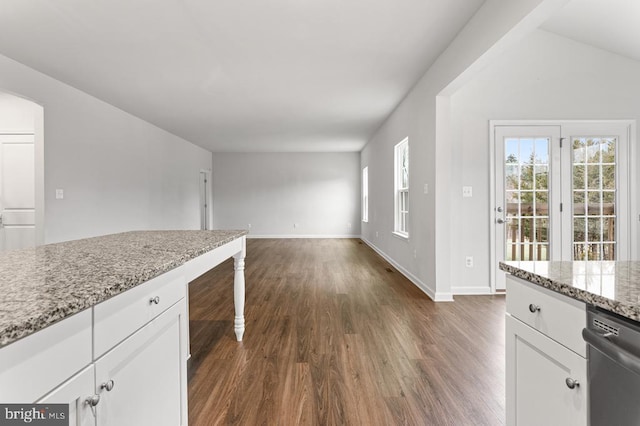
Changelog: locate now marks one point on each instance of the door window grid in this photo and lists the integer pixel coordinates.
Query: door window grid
(594, 197)
(527, 198)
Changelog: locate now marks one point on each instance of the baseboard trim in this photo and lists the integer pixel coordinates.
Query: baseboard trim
(471, 291)
(433, 295)
(281, 236)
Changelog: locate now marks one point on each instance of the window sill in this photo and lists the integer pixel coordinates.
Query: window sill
(401, 235)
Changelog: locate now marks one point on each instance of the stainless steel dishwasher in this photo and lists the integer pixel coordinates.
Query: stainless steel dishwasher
(613, 355)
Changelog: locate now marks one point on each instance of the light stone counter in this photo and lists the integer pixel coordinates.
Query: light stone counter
(614, 286)
(43, 285)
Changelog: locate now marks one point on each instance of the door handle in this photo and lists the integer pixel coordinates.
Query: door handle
(500, 220)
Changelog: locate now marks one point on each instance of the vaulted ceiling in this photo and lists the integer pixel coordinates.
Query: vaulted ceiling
(238, 75)
(277, 75)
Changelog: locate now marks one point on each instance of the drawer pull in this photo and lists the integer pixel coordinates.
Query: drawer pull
(155, 300)
(93, 400)
(571, 383)
(534, 308)
(108, 386)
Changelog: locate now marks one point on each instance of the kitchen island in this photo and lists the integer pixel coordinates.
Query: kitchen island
(106, 318)
(547, 359)
(614, 286)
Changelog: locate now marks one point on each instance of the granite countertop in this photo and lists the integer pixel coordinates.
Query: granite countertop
(614, 286)
(42, 285)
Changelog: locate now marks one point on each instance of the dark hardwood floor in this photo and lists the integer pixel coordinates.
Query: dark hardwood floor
(336, 336)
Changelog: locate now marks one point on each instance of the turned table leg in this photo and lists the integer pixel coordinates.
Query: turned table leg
(238, 291)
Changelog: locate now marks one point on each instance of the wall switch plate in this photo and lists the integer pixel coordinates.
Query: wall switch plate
(467, 191)
(426, 188)
(59, 194)
(469, 261)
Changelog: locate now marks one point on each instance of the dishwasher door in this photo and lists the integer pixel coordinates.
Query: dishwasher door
(613, 369)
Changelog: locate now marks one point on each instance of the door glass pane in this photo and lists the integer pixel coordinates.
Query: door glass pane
(526, 166)
(594, 197)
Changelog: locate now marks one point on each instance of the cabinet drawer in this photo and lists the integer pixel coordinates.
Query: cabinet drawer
(32, 366)
(119, 317)
(559, 317)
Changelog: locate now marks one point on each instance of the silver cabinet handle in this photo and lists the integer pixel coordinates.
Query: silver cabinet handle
(534, 308)
(571, 383)
(155, 300)
(108, 386)
(92, 400)
(500, 220)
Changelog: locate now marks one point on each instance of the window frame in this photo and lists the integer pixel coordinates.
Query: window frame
(401, 191)
(365, 194)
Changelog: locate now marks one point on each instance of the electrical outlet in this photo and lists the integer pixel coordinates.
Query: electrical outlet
(348, 226)
(415, 254)
(469, 261)
(295, 225)
(376, 234)
(249, 226)
(426, 188)
(59, 194)
(467, 191)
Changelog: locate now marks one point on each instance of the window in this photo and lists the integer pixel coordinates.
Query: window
(401, 162)
(365, 194)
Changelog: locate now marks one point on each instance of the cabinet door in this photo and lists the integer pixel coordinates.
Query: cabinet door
(74, 392)
(147, 372)
(537, 370)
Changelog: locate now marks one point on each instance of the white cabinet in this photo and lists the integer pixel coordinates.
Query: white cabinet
(75, 392)
(546, 370)
(140, 347)
(143, 379)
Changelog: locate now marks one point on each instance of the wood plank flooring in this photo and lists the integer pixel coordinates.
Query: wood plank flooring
(336, 336)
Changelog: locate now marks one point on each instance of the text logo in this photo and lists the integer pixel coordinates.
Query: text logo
(34, 414)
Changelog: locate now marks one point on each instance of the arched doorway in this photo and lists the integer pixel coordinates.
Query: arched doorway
(21, 173)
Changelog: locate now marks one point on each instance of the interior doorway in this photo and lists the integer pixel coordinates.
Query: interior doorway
(21, 173)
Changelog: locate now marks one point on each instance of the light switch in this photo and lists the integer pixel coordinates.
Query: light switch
(59, 194)
(426, 188)
(467, 191)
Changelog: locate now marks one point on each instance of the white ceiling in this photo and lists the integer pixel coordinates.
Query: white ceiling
(239, 75)
(612, 25)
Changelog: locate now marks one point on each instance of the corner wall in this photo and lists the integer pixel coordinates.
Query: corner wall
(424, 116)
(118, 172)
(544, 77)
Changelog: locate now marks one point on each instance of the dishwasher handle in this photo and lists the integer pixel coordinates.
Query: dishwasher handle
(620, 355)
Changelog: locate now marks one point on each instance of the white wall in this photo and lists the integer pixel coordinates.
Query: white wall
(544, 77)
(273, 191)
(118, 172)
(424, 117)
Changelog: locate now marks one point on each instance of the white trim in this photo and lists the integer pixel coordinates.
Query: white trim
(286, 236)
(470, 291)
(402, 236)
(634, 162)
(17, 132)
(433, 295)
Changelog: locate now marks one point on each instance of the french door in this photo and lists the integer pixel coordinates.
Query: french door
(561, 192)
